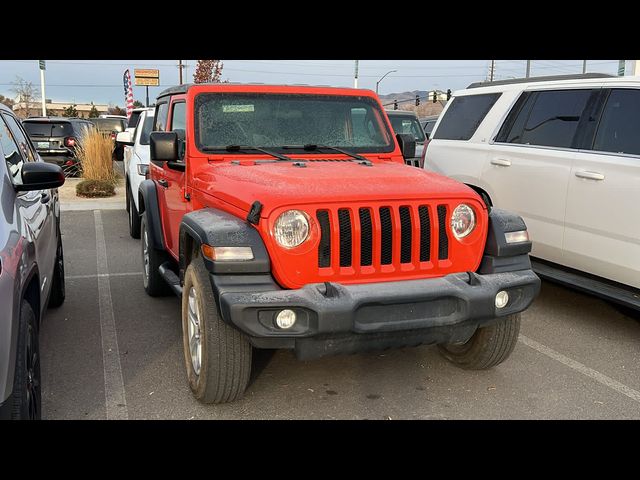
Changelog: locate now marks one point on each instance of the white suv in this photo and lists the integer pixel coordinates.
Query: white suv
(565, 155)
(136, 163)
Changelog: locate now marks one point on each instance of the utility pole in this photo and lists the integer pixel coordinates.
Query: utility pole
(584, 66)
(44, 98)
(355, 79)
(492, 70)
(528, 74)
(180, 67)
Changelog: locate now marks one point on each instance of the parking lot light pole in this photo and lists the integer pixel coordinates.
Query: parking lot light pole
(44, 98)
(378, 82)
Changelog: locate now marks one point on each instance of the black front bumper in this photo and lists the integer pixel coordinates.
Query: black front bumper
(334, 318)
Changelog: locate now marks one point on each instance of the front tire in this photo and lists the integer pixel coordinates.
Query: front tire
(57, 295)
(153, 282)
(488, 347)
(27, 398)
(217, 356)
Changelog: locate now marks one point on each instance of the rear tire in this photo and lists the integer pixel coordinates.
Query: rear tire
(488, 347)
(217, 356)
(134, 216)
(57, 295)
(152, 258)
(27, 398)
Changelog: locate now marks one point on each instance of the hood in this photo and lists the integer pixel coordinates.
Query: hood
(278, 184)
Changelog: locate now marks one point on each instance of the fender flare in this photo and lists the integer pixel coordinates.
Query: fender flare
(148, 206)
(218, 228)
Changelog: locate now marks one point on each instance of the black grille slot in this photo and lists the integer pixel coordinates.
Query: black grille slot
(405, 235)
(345, 237)
(324, 249)
(386, 238)
(366, 238)
(443, 239)
(425, 233)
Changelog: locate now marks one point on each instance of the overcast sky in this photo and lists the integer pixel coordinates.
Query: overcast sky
(100, 81)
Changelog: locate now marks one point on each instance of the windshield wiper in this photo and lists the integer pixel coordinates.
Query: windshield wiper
(237, 148)
(312, 146)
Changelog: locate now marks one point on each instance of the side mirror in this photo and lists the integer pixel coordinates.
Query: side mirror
(163, 146)
(124, 138)
(40, 176)
(407, 144)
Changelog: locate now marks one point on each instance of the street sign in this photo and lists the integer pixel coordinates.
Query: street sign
(42, 65)
(148, 77)
(148, 81)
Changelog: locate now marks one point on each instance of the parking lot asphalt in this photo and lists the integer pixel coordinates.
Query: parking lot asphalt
(111, 351)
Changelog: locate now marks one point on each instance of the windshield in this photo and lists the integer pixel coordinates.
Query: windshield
(109, 124)
(407, 124)
(276, 120)
(147, 126)
(48, 129)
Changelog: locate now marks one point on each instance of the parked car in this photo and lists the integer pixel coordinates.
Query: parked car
(31, 265)
(407, 122)
(111, 126)
(428, 123)
(56, 139)
(136, 164)
(284, 217)
(564, 154)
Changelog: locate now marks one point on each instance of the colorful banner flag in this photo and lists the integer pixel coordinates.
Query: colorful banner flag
(128, 92)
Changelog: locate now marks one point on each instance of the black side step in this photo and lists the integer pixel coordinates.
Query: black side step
(617, 293)
(171, 278)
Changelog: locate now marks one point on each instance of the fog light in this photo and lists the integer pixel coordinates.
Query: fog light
(502, 298)
(286, 319)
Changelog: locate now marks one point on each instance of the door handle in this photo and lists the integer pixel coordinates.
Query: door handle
(45, 197)
(501, 162)
(590, 175)
(163, 183)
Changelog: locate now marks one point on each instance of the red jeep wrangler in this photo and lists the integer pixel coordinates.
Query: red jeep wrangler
(285, 217)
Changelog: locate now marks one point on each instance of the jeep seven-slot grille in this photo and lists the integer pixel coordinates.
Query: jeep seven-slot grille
(383, 229)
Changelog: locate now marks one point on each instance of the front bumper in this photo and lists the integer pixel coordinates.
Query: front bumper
(335, 318)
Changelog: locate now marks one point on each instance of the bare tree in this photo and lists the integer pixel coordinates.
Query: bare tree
(24, 92)
(208, 71)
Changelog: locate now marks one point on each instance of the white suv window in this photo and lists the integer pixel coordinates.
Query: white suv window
(464, 116)
(619, 128)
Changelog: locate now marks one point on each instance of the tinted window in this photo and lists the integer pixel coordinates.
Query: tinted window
(428, 127)
(549, 118)
(161, 117)
(409, 125)
(133, 119)
(9, 149)
(619, 128)
(464, 115)
(179, 116)
(147, 127)
(48, 129)
(20, 138)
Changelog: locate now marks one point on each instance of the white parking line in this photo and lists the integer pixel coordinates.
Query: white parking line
(115, 400)
(79, 277)
(583, 369)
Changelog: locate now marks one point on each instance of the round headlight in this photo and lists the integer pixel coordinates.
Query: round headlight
(291, 228)
(463, 221)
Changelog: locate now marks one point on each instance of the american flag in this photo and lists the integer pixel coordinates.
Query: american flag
(128, 92)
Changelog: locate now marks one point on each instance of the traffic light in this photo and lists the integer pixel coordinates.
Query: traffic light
(395, 104)
(417, 100)
(448, 94)
(435, 97)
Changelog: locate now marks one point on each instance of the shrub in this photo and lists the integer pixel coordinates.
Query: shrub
(95, 188)
(94, 151)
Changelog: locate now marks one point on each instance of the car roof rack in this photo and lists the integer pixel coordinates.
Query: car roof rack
(549, 78)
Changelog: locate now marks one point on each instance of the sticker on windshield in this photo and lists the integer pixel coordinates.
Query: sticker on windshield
(237, 108)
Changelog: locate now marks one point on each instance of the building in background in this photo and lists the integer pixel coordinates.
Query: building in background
(55, 109)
